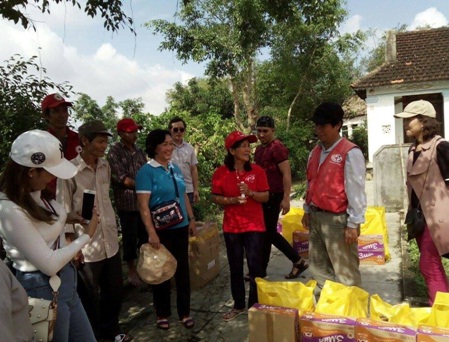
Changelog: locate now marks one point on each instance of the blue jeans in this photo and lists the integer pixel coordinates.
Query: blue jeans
(72, 323)
(251, 244)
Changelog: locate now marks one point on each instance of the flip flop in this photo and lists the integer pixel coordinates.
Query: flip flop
(187, 322)
(297, 270)
(233, 314)
(162, 323)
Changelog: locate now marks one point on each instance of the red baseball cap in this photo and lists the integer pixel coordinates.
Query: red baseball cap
(235, 136)
(54, 100)
(127, 125)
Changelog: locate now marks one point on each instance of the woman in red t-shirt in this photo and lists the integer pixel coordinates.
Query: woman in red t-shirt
(240, 187)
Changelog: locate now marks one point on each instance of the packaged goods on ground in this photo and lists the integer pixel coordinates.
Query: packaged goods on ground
(316, 327)
(204, 255)
(368, 330)
(301, 243)
(427, 333)
(371, 249)
(269, 323)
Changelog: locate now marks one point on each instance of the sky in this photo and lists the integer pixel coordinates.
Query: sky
(76, 48)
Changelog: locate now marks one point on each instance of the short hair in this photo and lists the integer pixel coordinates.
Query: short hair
(177, 119)
(90, 137)
(155, 138)
(431, 127)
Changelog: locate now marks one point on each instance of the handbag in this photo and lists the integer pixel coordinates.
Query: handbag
(415, 221)
(43, 313)
(155, 265)
(169, 213)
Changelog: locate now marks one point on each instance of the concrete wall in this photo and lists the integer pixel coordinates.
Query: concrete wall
(390, 176)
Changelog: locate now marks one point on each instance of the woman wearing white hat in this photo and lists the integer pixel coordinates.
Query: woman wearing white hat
(32, 229)
(428, 190)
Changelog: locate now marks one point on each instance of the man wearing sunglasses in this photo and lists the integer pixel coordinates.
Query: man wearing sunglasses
(185, 157)
(272, 156)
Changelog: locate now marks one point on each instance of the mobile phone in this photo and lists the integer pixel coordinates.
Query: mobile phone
(88, 204)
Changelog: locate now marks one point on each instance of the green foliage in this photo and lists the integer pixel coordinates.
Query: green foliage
(111, 11)
(21, 93)
(201, 96)
(360, 138)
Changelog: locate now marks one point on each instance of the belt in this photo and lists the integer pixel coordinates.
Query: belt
(317, 209)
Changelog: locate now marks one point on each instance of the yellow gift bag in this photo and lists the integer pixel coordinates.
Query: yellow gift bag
(342, 300)
(401, 313)
(291, 222)
(439, 315)
(376, 224)
(291, 294)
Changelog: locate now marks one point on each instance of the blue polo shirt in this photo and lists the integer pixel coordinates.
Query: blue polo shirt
(154, 179)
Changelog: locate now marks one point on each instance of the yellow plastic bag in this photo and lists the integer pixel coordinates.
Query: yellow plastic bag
(401, 313)
(342, 300)
(293, 294)
(439, 315)
(291, 222)
(375, 223)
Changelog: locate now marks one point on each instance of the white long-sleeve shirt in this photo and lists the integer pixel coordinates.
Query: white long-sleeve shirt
(30, 244)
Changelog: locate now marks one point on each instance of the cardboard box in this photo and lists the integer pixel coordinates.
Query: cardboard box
(368, 330)
(301, 243)
(372, 258)
(316, 327)
(204, 255)
(269, 323)
(371, 243)
(427, 333)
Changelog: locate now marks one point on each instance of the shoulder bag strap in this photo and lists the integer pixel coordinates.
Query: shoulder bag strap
(174, 182)
(427, 171)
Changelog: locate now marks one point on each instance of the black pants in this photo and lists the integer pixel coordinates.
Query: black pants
(134, 233)
(238, 244)
(101, 292)
(271, 210)
(177, 242)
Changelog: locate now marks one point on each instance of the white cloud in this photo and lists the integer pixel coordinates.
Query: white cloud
(352, 24)
(103, 73)
(430, 17)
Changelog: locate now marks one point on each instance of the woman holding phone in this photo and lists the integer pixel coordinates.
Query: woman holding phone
(32, 229)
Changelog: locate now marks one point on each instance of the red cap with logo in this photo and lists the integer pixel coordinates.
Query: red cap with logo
(54, 100)
(127, 125)
(235, 136)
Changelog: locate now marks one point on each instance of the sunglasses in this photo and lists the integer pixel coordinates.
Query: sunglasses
(176, 130)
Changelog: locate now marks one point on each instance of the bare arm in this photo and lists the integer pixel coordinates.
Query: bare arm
(285, 169)
(194, 173)
(143, 200)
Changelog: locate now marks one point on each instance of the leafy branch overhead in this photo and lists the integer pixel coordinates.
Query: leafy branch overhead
(111, 11)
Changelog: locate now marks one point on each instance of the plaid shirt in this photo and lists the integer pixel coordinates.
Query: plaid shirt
(125, 163)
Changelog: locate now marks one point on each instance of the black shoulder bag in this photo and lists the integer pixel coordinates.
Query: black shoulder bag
(167, 214)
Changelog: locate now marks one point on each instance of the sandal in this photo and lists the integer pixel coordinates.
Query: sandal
(162, 323)
(233, 314)
(297, 269)
(188, 322)
(123, 338)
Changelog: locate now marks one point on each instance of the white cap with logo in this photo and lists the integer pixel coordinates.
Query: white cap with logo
(420, 107)
(41, 149)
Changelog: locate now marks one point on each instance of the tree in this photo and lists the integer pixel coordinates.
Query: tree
(111, 11)
(20, 96)
(86, 109)
(202, 96)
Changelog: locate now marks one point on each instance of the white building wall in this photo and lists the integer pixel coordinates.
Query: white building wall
(381, 122)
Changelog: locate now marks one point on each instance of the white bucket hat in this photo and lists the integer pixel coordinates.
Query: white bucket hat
(40, 149)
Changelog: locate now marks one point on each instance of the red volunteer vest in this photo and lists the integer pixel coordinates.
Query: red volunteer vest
(327, 182)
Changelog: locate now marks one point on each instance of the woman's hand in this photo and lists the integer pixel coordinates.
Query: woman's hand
(192, 228)
(93, 223)
(153, 240)
(244, 189)
(75, 217)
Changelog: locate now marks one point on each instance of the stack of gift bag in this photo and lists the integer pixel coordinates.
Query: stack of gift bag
(287, 312)
(373, 239)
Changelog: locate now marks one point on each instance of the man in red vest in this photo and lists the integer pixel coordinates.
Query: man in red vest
(335, 201)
